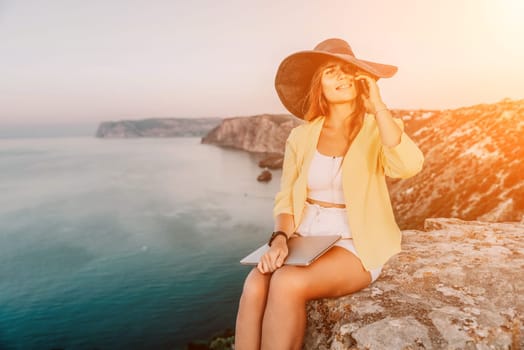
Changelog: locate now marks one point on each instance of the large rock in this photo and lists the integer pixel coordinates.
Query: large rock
(272, 161)
(458, 286)
(266, 133)
(265, 176)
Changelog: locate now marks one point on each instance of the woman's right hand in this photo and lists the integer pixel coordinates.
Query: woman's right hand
(274, 257)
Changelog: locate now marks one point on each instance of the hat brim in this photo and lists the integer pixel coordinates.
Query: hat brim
(294, 75)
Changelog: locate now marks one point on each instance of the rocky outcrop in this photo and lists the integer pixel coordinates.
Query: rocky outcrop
(266, 133)
(264, 176)
(473, 168)
(473, 160)
(157, 127)
(272, 161)
(457, 285)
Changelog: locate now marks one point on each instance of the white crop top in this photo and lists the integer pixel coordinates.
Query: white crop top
(324, 182)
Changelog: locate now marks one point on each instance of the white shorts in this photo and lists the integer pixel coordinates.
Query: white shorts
(318, 221)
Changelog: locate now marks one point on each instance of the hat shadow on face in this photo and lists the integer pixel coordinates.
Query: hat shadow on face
(316, 66)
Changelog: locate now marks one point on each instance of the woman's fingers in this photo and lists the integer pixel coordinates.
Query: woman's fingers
(262, 264)
(371, 83)
(273, 254)
(281, 257)
(373, 99)
(279, 261)
(265, 263)
(272, 260)
(364, 76)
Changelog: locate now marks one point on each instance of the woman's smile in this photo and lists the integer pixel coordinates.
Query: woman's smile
(344, 86)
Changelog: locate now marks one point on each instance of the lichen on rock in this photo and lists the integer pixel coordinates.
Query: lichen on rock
(457, 285)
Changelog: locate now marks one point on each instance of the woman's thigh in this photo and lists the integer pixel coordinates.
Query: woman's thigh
(336, 273)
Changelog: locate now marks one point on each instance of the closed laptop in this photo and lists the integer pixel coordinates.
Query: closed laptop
(302, 251)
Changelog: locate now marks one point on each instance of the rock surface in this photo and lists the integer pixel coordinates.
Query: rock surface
(157, 127)
(458, 285)
(272, 161)
(473, 168)
(265, 133)
(264, 176)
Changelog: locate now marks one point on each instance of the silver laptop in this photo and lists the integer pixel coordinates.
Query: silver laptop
(302, 250)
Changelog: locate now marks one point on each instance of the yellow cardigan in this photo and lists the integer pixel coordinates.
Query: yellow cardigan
(376, 235)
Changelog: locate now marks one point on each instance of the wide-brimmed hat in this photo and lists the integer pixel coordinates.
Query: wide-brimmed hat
(295, 72)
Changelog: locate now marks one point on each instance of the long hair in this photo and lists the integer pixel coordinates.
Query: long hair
(318, 105)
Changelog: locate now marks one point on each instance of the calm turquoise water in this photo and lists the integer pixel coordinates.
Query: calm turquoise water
(124, 244)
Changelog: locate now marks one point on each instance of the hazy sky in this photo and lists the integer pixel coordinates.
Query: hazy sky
(87, 61)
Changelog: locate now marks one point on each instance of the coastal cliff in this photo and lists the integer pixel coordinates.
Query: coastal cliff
(157, 127)
(473, 165)
(265, 133)
(457, 285)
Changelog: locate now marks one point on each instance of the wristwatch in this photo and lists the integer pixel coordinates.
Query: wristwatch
(275, 234)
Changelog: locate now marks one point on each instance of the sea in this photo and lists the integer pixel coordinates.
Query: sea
(124, 243)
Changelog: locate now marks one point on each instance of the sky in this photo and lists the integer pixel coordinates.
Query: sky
(72, 61)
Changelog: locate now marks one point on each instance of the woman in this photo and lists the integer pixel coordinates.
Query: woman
(333, 182)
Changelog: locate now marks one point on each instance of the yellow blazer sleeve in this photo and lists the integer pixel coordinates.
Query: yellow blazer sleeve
(283, 198)
(403, 160)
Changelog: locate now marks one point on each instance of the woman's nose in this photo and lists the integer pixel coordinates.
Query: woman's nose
(341, 74)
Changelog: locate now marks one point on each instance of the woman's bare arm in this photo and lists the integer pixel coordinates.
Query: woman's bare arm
(285, 222)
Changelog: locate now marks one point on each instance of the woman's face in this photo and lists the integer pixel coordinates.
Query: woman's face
(338, 83)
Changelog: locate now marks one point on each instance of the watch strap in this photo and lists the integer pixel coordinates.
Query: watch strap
(275, 234)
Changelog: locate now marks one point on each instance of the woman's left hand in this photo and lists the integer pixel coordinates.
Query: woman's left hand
(373, 102)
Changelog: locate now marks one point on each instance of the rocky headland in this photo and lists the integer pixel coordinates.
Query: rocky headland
(265, 133)
(473, 159)
(157, 127)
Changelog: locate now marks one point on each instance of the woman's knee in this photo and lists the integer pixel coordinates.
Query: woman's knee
(255, 286)
(288, 281)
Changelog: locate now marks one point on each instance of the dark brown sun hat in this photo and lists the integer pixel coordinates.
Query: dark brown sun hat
(295, 71)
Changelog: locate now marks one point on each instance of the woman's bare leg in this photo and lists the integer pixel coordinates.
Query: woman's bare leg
(251, 310)
(336, 273)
